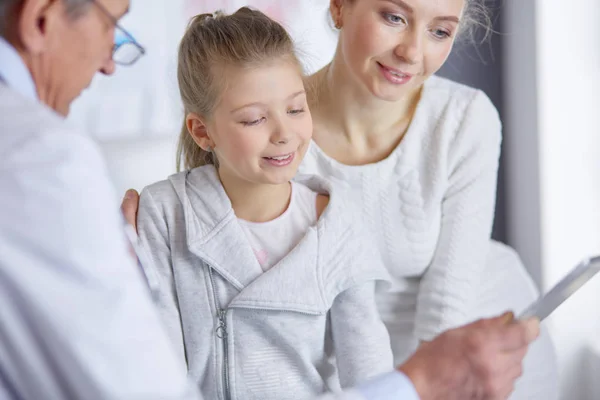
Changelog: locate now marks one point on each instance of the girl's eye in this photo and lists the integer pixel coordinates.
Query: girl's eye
(296, 111)
(253, 122)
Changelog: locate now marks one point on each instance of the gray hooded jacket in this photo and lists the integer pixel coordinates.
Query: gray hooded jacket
(249, 334)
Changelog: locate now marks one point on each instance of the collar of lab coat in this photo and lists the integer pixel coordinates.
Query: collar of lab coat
(14, 72)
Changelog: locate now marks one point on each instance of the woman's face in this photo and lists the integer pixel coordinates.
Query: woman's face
(391, 47)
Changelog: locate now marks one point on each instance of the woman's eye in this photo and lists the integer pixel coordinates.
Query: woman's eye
(296, 111)
(394, 19)
(441, 34)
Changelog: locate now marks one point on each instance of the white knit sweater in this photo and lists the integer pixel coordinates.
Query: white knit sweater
(430, 204)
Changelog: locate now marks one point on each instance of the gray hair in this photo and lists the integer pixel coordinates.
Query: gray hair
(75, 9)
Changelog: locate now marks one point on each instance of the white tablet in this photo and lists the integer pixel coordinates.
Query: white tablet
(571, 283)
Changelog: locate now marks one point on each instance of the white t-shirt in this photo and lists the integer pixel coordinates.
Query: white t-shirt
(273, 240)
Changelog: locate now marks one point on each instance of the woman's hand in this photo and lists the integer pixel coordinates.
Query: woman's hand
(129, 207)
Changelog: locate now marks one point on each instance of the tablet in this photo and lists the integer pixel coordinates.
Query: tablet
(571, 283)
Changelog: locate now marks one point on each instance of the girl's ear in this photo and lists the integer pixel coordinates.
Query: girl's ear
(197, 128)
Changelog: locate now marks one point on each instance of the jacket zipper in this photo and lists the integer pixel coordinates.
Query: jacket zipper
(221, 333)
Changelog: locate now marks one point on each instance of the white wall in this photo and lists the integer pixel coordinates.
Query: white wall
(140, 100)
(569, 104)
(553, 91)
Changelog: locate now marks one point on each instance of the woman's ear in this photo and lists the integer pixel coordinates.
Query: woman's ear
(197, 128)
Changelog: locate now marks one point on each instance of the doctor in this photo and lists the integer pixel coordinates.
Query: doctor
(76, 319)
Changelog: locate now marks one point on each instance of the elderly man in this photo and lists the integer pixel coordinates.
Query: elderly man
(76, 319)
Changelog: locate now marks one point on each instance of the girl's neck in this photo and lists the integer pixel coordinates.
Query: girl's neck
(256, 202)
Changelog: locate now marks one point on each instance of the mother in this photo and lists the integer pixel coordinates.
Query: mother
(421, 154)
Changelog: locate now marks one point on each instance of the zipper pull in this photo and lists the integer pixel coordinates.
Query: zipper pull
(222, 327)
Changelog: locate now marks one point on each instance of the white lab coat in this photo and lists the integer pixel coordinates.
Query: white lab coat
(76, 321)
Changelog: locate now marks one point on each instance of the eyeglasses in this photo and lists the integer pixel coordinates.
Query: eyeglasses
(126, 50)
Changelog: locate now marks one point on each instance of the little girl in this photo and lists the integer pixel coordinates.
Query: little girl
(261, 280)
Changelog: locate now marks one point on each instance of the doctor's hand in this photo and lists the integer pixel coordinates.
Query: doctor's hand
(129, 207)
(479, 361)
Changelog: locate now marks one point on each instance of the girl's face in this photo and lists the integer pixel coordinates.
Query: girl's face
(261, 127)
(390, 47)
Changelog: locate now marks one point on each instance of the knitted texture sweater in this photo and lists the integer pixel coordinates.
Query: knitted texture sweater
(430, 205)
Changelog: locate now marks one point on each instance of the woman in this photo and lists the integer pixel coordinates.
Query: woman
(421, 155)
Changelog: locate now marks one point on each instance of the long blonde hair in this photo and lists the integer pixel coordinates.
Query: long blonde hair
(246, 38)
